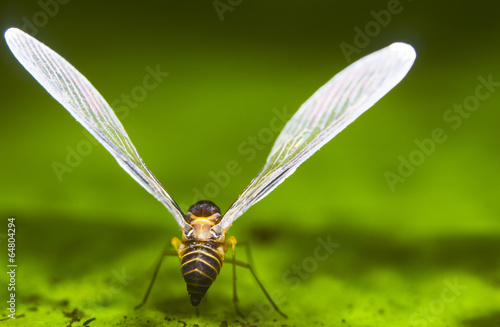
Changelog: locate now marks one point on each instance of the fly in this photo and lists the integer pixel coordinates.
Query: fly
(203, 246)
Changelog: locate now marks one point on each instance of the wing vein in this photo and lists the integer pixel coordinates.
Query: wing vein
(326, 113)
(70, 88)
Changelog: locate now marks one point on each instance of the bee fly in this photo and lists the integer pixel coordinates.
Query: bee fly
(203, 245)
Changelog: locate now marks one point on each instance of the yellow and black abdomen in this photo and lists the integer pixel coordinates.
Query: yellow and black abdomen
(200, 265)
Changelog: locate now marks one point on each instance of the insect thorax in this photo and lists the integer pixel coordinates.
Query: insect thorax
(201, 217)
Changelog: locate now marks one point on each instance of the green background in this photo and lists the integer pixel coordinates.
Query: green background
(423, 252)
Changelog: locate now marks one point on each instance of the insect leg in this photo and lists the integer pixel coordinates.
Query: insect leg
(232, 242)
(249, 267)
(175, 242)
(249, 254)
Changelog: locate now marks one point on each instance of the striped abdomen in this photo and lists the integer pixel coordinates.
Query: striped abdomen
(200, 265)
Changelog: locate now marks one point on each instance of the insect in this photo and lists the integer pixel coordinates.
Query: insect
(203, 246)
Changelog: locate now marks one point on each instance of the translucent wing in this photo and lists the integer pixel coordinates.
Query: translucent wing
(327, 112)
(84, 103)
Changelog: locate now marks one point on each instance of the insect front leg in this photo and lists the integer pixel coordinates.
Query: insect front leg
(175, 242)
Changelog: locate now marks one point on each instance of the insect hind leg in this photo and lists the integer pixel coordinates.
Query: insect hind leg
(175, 242)
(234, 262)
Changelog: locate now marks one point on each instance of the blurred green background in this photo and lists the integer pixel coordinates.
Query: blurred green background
(419, 250)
